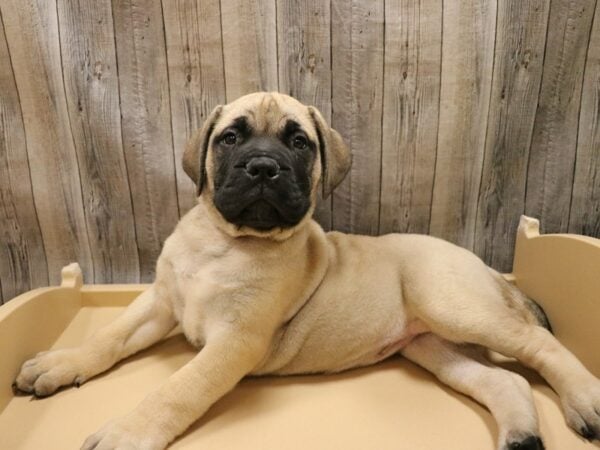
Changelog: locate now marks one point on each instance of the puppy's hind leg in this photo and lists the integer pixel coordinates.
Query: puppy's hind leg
(478, 313)
(505, 394)
(147, 320)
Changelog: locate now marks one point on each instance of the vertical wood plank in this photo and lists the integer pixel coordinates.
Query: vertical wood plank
(22, 256)
(342, 104)
(467, 59)
(195, 58)
(33, 40)
(146, 125)
(357, 89)
(249, 46)
(92, 92)
(304, 46)
(518, 65)
(553, 147)
(413, 40)
(585, 207)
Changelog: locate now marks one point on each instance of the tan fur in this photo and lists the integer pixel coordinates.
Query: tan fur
(301, 300)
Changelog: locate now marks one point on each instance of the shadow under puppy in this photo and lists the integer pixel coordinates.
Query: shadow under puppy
(262, 289)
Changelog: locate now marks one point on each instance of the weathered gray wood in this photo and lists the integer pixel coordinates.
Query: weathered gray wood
(304, 49)
(22, 256)
(146, 125)
(33, 40)
(467, 59)
(195, 57)
(92, 93)
(249, 46)
(519, 55)
(357, 37)
(342, 104)
(410, 115)
(585, 207)
(553, 147)
(455, 135)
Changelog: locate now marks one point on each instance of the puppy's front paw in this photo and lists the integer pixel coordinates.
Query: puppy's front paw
(125, 434)
(582, 410)
(47, 371)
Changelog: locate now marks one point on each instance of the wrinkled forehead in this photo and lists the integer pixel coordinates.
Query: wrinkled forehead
(267, 114)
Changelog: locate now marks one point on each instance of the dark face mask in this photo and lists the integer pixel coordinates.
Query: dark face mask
(263, 181)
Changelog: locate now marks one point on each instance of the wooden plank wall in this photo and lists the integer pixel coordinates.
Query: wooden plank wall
(461, 116)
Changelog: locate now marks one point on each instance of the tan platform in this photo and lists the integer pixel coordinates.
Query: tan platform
(394, 405)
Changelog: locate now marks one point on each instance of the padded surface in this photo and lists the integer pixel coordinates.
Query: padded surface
(393, 405)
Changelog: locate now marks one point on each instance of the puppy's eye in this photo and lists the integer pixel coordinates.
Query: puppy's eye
(229, 138)
(300, 142)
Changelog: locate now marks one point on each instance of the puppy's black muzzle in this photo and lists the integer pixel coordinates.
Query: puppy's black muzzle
(263, 184)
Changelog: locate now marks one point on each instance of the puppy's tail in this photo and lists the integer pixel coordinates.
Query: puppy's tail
(516, 299)
(538, 312)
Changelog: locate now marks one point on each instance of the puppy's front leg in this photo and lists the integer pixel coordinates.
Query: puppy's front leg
(147, 320)
(187, 394)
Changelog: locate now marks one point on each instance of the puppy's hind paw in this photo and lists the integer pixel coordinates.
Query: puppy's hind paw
(582, 412)
(529, 443)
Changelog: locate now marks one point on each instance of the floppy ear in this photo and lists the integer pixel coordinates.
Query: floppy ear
(335, 155)
(194, 156)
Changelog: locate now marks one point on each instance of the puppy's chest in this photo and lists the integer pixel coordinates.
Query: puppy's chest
(211, 292)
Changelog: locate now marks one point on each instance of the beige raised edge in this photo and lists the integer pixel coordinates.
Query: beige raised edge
(562, 273)
(393, 405)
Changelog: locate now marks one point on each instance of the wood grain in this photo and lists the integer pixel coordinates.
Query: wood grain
(146, 125)
(22, 257)
(518, 64)
(196, 84)
(33, 40)
(553, 147)
(410, 114)
(304, 49)
(467, 60)
(584, 215)
(357, 36)
(342, 104)
(461, 115)
(92, 93)
(249, 46)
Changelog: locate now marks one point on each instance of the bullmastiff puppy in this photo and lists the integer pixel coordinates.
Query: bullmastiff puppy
(260, 288)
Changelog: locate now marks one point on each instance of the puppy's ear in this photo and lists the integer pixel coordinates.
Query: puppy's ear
(335, 155)
(194, 156)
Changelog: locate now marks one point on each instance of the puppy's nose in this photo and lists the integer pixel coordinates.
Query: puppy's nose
(262, 166)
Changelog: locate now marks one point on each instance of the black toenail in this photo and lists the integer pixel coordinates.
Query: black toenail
(587, 433)
(530, 443)
(39, 395)
(18, 392)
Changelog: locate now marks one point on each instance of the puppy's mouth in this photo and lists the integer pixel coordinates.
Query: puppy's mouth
(261, 215)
